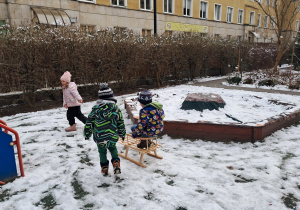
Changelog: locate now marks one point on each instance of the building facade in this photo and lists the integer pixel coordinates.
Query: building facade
(241, 19)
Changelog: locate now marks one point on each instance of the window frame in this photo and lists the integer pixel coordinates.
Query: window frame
(220, 12)
(191, 9)
(272, 22)
(118, 5)
(252, 12)
(145, 9)
(266, 23)
(87, 1)
(239, 16)
(259, 20)
(231, 21)
(206, 2)
(173, 6)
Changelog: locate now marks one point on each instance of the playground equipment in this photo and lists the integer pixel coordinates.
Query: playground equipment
(8, 168)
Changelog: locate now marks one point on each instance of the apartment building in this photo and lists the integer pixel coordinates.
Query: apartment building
(241, 19)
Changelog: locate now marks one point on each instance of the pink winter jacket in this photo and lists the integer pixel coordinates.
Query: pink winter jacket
(71, 95)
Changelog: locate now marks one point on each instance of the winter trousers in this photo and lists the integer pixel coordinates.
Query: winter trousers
(102, 149)
(75, 112)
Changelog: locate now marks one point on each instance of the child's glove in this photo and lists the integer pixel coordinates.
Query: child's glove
(123, 138)
(87, 138)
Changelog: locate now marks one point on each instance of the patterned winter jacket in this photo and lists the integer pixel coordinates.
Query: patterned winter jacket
(71, 95)
(150, 120)
(105, 122)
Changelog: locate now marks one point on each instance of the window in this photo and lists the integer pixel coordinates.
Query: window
(168, 6)
(121, 3)
(87, 29)
(203, 9)
(88, 1)
(229, 14)
(272, 22)
(241, 16)
(272, 40)
(217, 36)
(239, 38)
(259, 20)
(265, 40)
(268, 2)
(145, 4)
(274, 3)
(252, 18)
(218, 8)
(187, 7)
(297, 25)
(266, 21)
(168, 33)
(146, 33)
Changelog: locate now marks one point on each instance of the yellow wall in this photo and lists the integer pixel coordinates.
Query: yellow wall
(245, 5)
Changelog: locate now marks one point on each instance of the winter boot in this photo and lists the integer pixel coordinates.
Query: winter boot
(104, 168)
(116, 164)
(71, 128)
(143, 144)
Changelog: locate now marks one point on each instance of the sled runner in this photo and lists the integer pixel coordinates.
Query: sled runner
(131, 142)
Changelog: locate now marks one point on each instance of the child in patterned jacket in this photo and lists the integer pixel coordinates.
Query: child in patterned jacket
(71, 101)
(106, 124)
(150, 119)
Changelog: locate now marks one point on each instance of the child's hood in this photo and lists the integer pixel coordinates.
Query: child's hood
(105, 110)
(156, 105)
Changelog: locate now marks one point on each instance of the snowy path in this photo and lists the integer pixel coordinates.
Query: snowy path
(62, 171)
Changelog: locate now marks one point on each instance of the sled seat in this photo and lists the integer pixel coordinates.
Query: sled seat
(131, 143)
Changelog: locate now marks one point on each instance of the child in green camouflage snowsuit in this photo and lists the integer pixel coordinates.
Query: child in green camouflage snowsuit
(106, 124)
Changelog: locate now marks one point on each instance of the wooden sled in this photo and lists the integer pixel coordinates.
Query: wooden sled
(131, 142)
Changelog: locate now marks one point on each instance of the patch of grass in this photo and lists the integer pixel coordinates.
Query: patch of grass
(290, 201)
(159, 172)
(104, 185)
(64, 144)
(197, 156)
(48, 202)
(285, 158)
(234, 80)
(30, 141)
(70, 135)
(171, 182)
(118, 179)
(80, 145)
(89, 206)
(149, 196)
(79, 192)
(26, 124)
(181, 208)
(242, 179)
(4, 195)
(84, 158)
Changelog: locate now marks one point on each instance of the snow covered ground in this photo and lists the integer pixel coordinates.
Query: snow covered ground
(251, 108)
(62, 171)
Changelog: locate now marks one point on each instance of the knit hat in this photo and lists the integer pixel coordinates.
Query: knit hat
(66, 77)
(105, 91)
(145, 97)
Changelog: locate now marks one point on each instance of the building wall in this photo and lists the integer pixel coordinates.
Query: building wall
(102, 14)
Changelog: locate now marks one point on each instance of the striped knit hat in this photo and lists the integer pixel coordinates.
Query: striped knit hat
(105, 91)
(145, 97)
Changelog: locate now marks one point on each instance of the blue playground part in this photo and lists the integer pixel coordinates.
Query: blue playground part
(8, 168)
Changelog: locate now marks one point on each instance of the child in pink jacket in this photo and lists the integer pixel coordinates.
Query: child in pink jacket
(72, 101)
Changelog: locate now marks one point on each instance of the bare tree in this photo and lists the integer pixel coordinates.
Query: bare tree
(282, 14)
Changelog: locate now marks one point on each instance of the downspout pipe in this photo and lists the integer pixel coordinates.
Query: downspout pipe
(8, 12)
